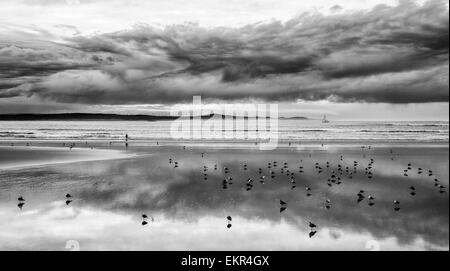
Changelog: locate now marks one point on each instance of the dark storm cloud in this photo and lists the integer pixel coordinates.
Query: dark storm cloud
(23, 67)
(389, 54)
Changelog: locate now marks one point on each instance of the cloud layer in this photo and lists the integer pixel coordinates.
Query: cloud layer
(388, 54)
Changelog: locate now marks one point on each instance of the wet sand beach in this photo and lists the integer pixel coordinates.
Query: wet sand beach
(388, 197)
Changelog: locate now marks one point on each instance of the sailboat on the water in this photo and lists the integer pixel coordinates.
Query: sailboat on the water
(325, 120)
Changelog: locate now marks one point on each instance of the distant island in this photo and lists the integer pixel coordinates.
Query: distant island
(295, 118)
(104, 117)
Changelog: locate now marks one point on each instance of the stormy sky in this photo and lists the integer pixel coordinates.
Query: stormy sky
(381, 58)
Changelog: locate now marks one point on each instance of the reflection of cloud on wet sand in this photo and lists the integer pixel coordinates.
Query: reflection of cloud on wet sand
(188, 205)
(96, 229)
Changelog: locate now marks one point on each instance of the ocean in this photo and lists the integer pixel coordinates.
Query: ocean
(288, 130)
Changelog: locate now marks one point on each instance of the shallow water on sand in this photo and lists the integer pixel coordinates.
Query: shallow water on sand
(187, 212)
(21, 156)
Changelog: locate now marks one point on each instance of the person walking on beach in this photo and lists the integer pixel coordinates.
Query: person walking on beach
(126, 141)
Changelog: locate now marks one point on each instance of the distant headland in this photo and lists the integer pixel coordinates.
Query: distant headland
(103, 117)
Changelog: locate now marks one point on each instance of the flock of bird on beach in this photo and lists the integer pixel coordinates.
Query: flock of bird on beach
(335, 178)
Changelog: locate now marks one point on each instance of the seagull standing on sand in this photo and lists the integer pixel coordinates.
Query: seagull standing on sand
(396, 205)
(308, 191)
(413, 191)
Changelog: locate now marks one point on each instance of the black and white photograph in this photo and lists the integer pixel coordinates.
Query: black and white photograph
(224, 125)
